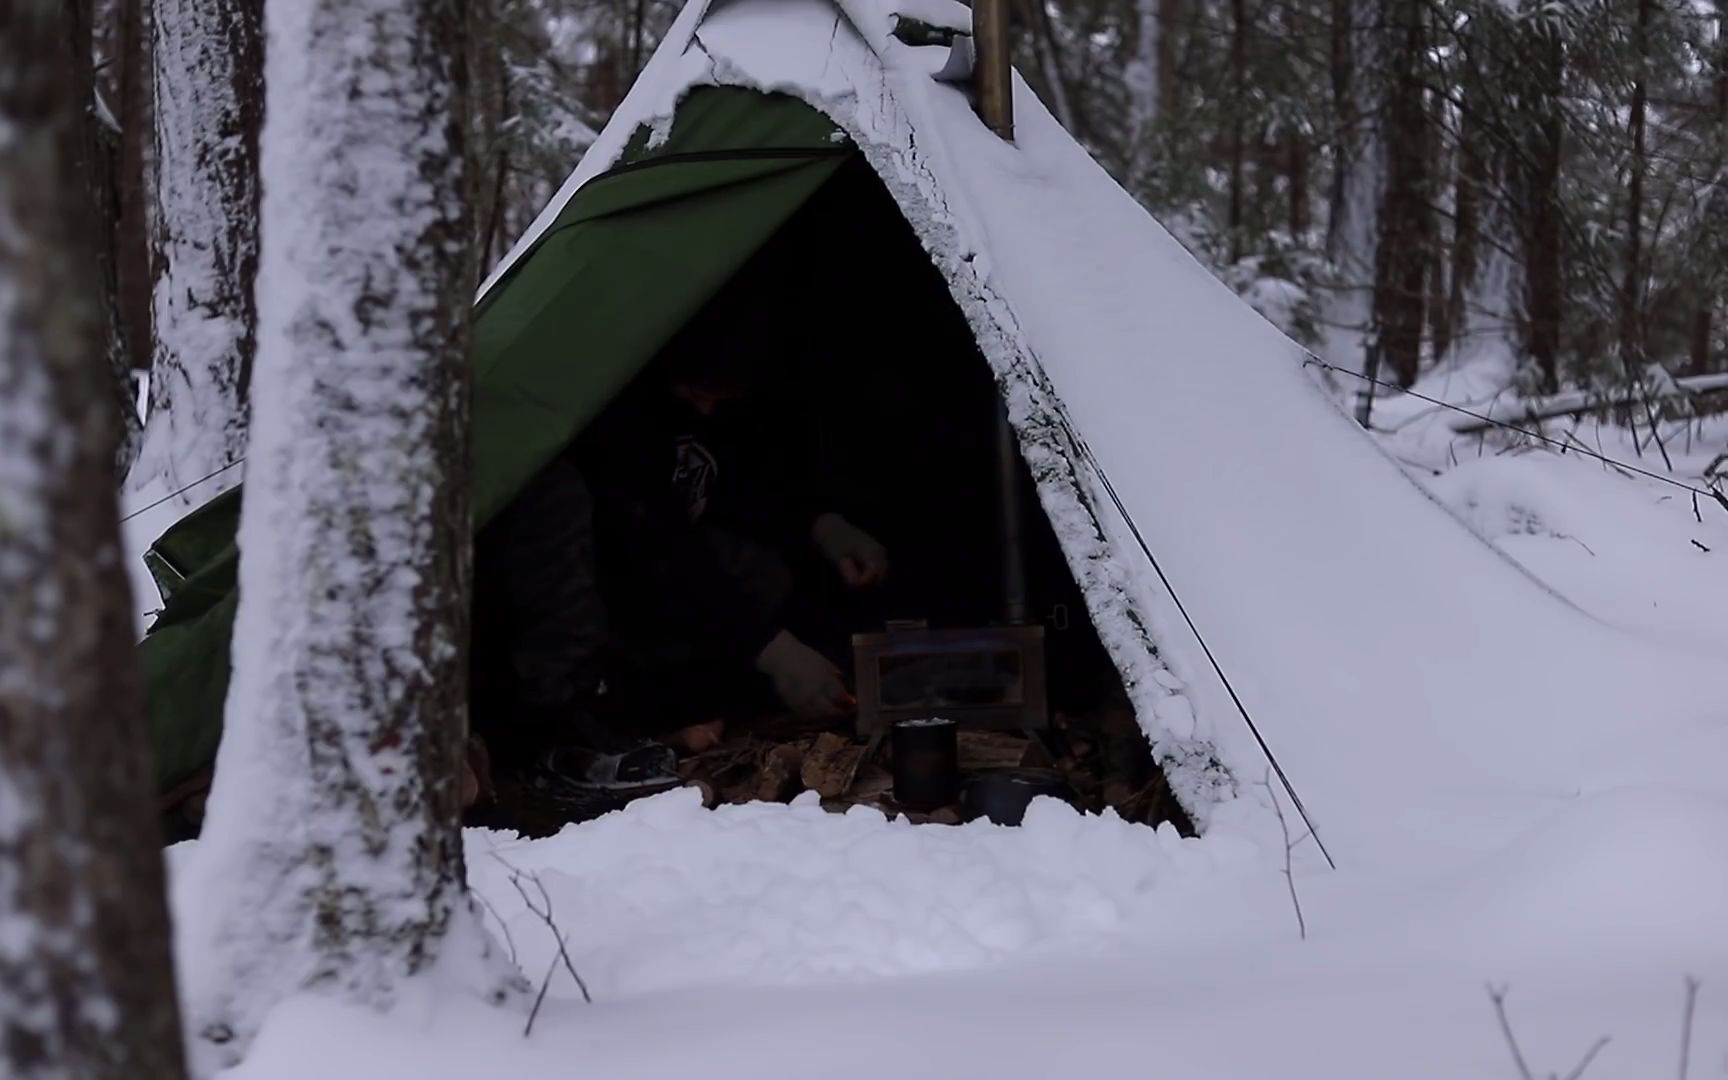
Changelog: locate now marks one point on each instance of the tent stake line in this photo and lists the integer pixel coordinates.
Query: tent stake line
(1146, 549)
(184, 490)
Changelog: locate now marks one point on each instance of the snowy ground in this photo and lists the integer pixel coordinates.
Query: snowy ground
(768, 940)
(773, 940)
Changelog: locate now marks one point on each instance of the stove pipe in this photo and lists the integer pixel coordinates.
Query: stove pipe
(993, 69)
(993, 73)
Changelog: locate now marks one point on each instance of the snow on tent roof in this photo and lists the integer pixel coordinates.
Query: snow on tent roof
(1410, 680)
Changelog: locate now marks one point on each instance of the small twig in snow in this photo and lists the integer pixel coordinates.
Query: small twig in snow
(1289, 848)
(503, 926)
(540, 998)
(544, 914)
(1497, 994)
(1589, 1056)
(1686, 1025)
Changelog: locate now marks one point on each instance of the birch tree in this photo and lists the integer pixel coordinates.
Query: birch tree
(347, 710)
(85, 985)
(207, 65)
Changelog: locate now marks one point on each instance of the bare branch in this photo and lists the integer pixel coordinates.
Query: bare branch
(1497, 994)
(540, 998)
(544, 914)
(1692, 985)
(1589, 1056)
(1289, 849)
(509, 942)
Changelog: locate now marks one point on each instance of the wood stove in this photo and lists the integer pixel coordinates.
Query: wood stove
(984, 677)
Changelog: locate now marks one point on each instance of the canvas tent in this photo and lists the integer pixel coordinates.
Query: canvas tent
(1219, 514)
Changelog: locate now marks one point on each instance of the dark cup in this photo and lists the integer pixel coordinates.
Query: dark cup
(926, 763)
(1002, 795)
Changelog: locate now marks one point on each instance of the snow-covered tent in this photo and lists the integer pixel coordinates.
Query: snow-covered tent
(1282, 602)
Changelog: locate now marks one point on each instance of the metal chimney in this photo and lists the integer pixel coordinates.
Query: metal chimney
(993, 83)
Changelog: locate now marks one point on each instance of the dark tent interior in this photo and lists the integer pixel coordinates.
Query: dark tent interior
(875, 379)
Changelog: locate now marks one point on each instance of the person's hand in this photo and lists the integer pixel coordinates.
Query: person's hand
(697, 738)
(859, 557)
(806, 681)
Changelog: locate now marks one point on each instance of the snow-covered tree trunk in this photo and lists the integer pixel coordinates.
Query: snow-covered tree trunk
(347, 712)
(207, 63)
(1487, 280)
(1144, 77)
(1359, 180)
(86, 989)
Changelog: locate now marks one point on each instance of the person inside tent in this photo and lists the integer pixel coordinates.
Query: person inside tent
(644, 577)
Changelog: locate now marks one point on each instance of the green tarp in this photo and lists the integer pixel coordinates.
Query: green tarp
(634, 255)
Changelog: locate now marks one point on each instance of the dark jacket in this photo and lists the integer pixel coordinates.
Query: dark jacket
(659, 473)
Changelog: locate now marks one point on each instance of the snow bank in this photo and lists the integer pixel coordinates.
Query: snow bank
(1628, 550)
(666, 894)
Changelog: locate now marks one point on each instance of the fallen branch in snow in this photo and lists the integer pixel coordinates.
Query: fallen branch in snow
(1573, 402)
(544, 914)
(1497, 994)
(545, 985)
(1691, 1008)
(1289, 850)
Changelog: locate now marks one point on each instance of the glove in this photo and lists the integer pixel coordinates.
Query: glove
(804, 679)
(861, 560)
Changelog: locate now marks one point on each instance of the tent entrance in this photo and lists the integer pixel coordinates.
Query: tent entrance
(873, 349)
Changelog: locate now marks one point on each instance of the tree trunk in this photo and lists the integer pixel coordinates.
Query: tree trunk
(1714, 217)
(1631, 287)
(1703, 334)
(94, 150)
(1544, 281)
(1170, 14)
(1400, 293)
(1238, 123)
(1359, 174)
(1144, 83)
(1487, 293)
(1341, 62)
(207, 60)
(1470, 189)
(348, 708)
(86, 988)
(1049, 59)
(137, 139)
